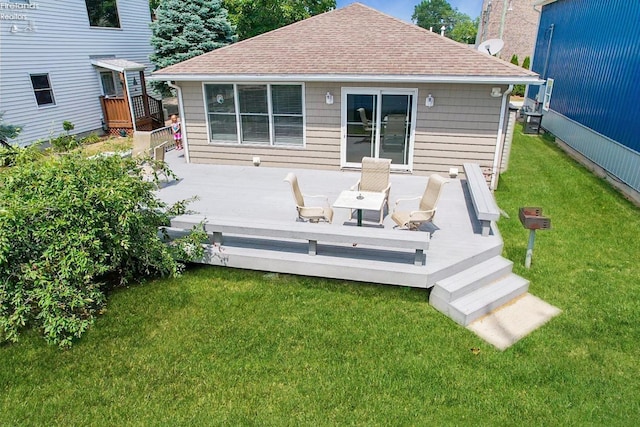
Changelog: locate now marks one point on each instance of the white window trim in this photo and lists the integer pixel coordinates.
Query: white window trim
(238, 115)
(33, 90)
(378, 91)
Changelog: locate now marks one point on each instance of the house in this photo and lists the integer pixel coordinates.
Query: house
(515, 22)
(349, 83)
(78, 61)
(589, 100)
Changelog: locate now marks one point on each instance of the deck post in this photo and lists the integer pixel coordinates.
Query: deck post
(313, 247)
(419, 257)
(217, 237)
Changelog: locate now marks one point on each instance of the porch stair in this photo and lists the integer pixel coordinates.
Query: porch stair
(478, 290)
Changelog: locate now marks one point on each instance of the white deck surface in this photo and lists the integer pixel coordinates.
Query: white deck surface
(260, 193)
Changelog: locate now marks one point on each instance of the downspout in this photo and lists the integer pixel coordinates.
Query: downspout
(496, 157)
(183, 124)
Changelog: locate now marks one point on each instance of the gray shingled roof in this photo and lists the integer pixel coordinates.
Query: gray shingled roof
(348, 44)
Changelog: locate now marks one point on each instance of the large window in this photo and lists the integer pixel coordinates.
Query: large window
(103, 13)
(42, 89)
(255, 114)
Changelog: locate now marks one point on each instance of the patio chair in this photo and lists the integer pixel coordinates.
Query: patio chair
(375, 178)
(395, 132)
(366, 123)
(412, 220)
(310, 213)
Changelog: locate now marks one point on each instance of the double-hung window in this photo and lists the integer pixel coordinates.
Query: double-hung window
(42, 89)
(270, 114)
(103, 13)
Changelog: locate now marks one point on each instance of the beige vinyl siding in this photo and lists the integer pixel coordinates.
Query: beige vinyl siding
(461, 126)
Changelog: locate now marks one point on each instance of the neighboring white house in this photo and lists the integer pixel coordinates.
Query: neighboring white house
(58, 58)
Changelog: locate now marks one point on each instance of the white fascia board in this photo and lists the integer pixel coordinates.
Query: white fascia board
(545, 2)
(347, 78)
(117, 68)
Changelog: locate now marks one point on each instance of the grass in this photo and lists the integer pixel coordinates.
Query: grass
(113, 144)
(230, 347)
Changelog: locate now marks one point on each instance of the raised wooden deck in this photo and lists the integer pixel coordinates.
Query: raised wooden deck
(255, 194)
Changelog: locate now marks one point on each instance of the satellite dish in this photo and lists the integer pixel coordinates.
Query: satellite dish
(491, 46)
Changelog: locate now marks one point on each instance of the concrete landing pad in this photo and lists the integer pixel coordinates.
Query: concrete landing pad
(510, 323)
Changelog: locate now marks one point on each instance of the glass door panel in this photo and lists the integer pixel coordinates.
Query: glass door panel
(361, 126)
(395, 128)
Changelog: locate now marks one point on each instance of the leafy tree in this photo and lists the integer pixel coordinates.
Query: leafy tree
(254, 17)
(70, 229)
(188, 28)
(465, 30)
(436, 13)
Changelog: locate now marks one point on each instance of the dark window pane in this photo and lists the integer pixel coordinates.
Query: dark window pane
(286, 99)
(223, 128)
(103, 13)
(253, 99)
(288, 130)
(40, 81)
(220, 99)
(255, 129)
(44, 97)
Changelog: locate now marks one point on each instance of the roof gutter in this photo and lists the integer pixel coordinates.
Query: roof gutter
(183, 123)
(347, 78)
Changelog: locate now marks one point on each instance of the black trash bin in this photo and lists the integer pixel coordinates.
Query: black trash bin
(532, 122)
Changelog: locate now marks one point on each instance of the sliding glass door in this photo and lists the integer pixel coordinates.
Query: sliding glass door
(378, 123)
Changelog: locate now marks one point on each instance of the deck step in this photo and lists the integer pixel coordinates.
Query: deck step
(473, 278)
(482, 301)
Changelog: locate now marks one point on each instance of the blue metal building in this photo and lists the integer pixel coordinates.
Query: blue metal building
(589, 53)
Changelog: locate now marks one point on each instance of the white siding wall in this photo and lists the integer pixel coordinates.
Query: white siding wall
(61, 46)
(462, 126)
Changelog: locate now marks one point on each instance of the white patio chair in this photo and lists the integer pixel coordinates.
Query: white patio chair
(310, 213)
(375, 178)
(426, 211)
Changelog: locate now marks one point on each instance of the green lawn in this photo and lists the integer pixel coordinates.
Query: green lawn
(228, 347)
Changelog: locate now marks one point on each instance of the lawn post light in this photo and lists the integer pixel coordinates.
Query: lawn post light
(532, 219)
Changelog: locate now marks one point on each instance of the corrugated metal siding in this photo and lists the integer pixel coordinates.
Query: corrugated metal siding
(619, 160)
(61, 46)
(595, 63)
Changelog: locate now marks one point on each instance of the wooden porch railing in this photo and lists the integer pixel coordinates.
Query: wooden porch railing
(148, 115)
(116, 113)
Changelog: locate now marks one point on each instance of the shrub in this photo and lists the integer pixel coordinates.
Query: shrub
(64, 141)
(72, 228)
(90, 139)
(514, 59)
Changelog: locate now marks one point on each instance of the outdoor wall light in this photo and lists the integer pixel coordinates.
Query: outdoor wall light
(429, 101)
(496, 92)
(329, 98)
(256, 161)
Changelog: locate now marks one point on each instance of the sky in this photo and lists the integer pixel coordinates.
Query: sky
(403, 9)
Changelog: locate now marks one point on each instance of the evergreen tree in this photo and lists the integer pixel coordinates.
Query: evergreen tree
(514, 59)
(188, 28)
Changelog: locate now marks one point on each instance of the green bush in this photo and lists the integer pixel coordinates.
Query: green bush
(514, 59)
(71, 229)
(64, 141)
(90, 139)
